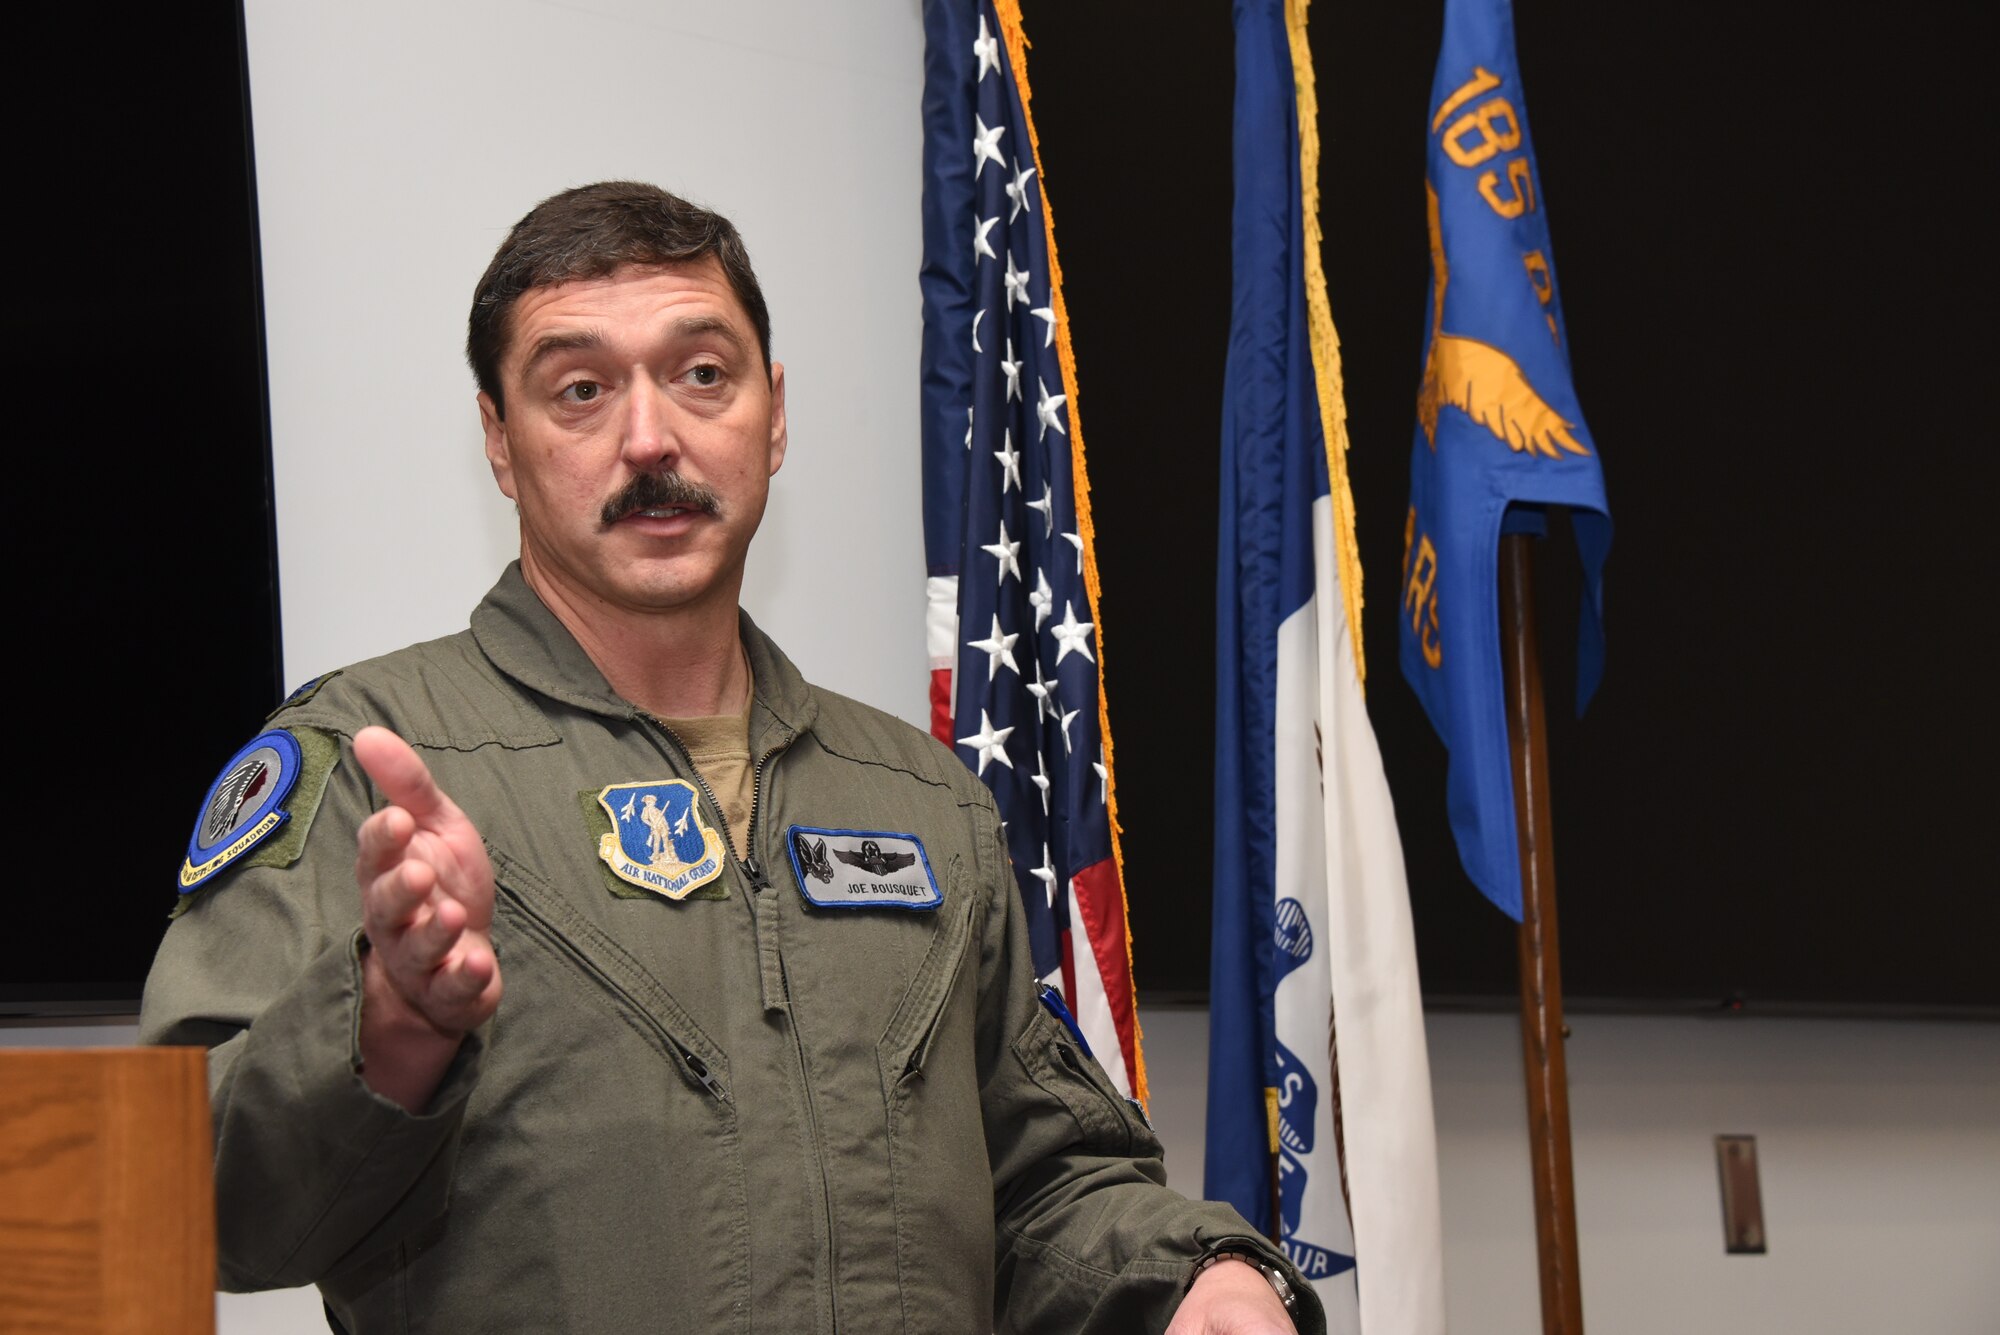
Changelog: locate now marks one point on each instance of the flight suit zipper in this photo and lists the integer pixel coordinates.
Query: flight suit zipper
(761, 888)
(747, 859)
(819, 1154)
(771, 960)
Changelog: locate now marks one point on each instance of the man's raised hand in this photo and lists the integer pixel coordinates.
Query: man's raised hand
(427, 909)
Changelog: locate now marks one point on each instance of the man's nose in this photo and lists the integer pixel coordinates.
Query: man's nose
(651, 440)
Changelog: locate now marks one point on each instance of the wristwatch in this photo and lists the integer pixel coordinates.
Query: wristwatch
(1279, 1284)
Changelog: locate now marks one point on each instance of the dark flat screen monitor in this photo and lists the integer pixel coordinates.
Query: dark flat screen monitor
(144, 547)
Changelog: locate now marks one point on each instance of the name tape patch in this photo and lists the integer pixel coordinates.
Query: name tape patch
(243, 807)
(862, 869)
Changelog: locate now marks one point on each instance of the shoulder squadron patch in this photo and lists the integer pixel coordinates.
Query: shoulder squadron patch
(243, 807)
(862, 869)
(657, 840)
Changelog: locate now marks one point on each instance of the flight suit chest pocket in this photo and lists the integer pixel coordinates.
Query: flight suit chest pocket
(577, 964)
(912, 1032)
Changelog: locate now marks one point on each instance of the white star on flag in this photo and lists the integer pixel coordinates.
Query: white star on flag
(999, 649)
(1046, 874)
(1045, 408)
(1072, 636)
(1077, 542)
(1017, 190)
(981, 246)
(1047, 505)
(1040, 778)
(1010, 461)
(987, 47)
(986, 147)
(1008, 555)
(1017, 283)
(1041, 690)
(1047, 314)
(1043, 600)
(1011, 368)
(990, 742)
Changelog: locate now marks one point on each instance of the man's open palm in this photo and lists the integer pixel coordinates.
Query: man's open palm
(426, 891)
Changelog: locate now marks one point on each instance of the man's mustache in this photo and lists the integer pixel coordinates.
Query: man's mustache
(651, 491)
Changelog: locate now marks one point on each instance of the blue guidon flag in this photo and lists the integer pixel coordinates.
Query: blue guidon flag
(1012, 623)
(1319, 1108)
(1500, 435)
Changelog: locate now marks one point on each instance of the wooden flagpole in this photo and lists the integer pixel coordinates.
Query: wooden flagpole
(1542, 1028)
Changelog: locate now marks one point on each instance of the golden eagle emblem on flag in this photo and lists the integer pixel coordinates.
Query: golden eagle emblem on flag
(1480, 380)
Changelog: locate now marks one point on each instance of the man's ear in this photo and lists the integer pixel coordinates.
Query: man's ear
(778, 439)
(497, 454)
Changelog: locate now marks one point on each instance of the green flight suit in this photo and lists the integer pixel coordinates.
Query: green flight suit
(713, 1115)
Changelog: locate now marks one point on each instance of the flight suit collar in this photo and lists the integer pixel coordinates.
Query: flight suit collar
(785, 705)
(520, 636)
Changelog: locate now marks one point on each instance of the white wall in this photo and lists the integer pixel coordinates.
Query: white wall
(396, 144)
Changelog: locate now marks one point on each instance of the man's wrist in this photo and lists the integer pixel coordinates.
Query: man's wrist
(1280, 1284)
(403, 1054)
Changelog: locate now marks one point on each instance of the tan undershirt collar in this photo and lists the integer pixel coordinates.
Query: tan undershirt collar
(719, 747)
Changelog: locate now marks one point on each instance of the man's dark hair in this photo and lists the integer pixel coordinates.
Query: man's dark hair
(590, 232)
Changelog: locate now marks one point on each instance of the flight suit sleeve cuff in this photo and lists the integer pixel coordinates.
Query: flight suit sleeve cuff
(354, 1171)
(454, 1087)
(1306, 1312)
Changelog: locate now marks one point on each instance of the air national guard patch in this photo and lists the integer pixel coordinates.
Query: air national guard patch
(862, 869)
(243, 807)
(657, 840)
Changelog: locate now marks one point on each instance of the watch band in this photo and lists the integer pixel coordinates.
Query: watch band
(1276, 1277)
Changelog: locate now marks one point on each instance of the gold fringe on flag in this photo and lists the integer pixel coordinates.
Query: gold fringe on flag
(1011, 32)
(1325, 340)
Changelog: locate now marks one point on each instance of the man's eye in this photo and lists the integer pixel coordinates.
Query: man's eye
(706, 375)
(583, 391)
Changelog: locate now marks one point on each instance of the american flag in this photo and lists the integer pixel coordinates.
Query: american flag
(1012, 597)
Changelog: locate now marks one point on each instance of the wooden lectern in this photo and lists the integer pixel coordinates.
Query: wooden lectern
(107, 1198)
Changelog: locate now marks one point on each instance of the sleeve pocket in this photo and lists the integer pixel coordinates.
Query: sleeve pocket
(1057, 1063)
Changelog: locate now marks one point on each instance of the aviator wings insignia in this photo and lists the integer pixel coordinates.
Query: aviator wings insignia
(871, 858)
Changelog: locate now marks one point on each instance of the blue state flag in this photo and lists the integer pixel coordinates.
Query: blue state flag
(1319, 1110)
(1500, 435)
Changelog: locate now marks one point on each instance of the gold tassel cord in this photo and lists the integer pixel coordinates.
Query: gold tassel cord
(1016, 38)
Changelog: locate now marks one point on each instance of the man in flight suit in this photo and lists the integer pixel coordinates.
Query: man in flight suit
(742, 1092)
